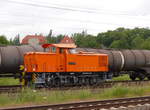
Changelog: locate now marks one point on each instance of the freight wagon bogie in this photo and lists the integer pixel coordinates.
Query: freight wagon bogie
(139, 74)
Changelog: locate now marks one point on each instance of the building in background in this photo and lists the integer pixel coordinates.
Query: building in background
(67, 40)
(33, 40)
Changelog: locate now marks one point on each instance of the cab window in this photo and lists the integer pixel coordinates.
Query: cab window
(46, 49)
(72, 51)
(61, 50)
(53, 49)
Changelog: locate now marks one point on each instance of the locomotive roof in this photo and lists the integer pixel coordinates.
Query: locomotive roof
(60, 45)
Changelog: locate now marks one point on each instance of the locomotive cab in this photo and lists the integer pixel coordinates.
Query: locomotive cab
(61, 51)
(59, 48)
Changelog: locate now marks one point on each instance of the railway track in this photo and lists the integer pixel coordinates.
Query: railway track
(10, 88)
(108, 84)
(89, 105)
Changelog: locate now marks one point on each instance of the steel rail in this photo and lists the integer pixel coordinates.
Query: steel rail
(89, 105)
(10, 88)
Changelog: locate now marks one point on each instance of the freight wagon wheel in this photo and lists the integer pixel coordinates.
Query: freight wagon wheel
(148, 77)
(132, 76)
(141, 76)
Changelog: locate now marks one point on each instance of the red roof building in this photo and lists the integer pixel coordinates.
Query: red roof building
(34, 39)
(67, 40)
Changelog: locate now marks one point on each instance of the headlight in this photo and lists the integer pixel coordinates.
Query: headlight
(25, 69)
(33, 69)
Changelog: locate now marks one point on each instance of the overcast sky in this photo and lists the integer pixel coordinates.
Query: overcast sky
(70, 16)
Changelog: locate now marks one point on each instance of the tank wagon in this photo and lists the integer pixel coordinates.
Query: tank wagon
(62, 65)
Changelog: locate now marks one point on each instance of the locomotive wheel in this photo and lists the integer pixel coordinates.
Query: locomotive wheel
(91, 81)
(87, 79)
(57, 82)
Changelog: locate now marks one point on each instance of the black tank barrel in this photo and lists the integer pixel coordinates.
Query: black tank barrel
(11, 57)
(124, 60)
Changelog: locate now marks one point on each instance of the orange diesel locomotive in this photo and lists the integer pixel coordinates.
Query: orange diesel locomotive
(61, 65)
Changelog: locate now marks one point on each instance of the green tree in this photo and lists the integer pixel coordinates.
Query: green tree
(3, 40)
(137, 42)
(79, 39)
(124, 38)
(105, 38)
(59, 38)
(120, 44)
(146, 44)
(51, 39)
(90, 41)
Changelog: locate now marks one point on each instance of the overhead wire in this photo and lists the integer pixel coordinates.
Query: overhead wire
(65, 8)
(71, 6)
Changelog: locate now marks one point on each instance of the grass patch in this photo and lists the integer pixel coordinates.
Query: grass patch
(29, 96)
(9, 81)
(122, 78)
(121, 92)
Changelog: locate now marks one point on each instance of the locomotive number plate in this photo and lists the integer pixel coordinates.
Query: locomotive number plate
(71, 63)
